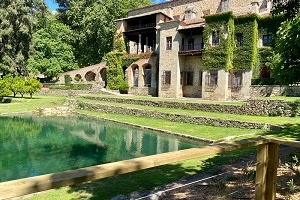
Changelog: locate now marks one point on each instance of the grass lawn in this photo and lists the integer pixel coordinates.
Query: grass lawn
(206, 132)
(248, 118)
(186, 100)
(145, 179)
(27, 104)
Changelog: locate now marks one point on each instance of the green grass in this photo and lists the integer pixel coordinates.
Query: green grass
(285, 98)
(248, 118)
(185, 100)
(145, 179)
(27, 105)
(207, 132)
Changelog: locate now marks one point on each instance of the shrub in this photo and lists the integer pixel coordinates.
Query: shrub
(123, 88)
(6, 100)
(68, 80)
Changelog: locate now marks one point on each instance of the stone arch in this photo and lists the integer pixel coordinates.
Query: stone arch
(90, 76)
(78, 77)
(135, 75)
(147, 74)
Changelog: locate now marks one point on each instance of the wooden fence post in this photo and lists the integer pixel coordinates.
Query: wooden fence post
(266, 171)
(261, 168)
(273, 150)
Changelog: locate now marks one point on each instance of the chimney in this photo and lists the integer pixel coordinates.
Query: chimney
(189, 13)
(255, 7)
(169, 11)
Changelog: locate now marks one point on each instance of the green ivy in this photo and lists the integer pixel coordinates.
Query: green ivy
(246, 55)
(222, 55)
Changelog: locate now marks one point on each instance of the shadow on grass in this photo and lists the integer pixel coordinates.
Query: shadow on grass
(291, 131)
(127, 183)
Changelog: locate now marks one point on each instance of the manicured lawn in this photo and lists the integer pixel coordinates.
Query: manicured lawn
(248, 118)
(207, 132)
(282, 98)
(27, 105)
(187, 100)
(146, 179)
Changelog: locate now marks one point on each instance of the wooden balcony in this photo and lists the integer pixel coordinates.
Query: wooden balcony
(141, 26)
(190, 49)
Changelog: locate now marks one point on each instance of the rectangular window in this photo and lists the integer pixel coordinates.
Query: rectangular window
(267, 40)
(189, 78)
(211, 79)
(166, 78)
(235, 79)
(169, 43)
(239, 39)
(215, 38)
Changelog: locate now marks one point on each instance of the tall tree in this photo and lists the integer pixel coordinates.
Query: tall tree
(52, 52)
(94, 26)
(16, 28)
(286, 63)
(290, 8)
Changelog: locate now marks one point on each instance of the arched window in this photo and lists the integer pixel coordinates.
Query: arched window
(135, 72)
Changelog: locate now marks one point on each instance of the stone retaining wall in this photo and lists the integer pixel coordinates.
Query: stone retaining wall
(251, 107)
(172, 117)
(274, 90)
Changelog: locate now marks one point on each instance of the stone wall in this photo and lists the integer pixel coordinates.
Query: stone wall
(251, 107)
(200, 7)
(172, 117)
(274, 90)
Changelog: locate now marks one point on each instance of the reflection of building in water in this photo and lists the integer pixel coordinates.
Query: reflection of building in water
(94, 139)
(134, 141)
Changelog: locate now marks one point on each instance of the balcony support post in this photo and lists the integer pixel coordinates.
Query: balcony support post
(140, 44)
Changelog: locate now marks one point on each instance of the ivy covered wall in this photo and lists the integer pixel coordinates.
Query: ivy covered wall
(245, 56)
(216, 57)
(232, 54)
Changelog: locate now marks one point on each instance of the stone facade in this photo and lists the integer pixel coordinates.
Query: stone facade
(136, 76)
(93, 73)
(174, 30)
(274, 90)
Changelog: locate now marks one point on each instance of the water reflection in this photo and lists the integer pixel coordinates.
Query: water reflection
(32, 146)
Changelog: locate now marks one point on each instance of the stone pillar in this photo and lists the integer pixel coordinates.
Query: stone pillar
(147, 45)
(140, 44)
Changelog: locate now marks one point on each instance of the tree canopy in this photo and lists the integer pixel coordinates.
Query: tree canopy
(93, 25)
(289, 8)
(52, 52)
(286, 61)
(17, 24)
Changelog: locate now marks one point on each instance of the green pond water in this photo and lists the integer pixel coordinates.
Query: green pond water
(32, 146)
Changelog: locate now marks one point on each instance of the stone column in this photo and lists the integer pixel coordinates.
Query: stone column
(147, 45)
(140, 44)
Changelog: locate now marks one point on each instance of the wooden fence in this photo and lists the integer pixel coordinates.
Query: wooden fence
(266, 169)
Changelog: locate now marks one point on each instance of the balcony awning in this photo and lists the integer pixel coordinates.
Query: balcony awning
(144, 15)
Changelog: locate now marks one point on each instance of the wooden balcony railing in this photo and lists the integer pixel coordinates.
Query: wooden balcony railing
(190, 48)
(142, 26)
(266, 168)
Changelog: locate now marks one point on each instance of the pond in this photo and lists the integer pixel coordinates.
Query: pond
(32, 145)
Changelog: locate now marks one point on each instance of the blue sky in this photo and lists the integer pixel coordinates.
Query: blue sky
(53, 6)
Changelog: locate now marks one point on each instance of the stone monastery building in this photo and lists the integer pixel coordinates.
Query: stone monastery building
(205, 49)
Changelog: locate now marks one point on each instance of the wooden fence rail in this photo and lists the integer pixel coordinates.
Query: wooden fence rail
(265, 188)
